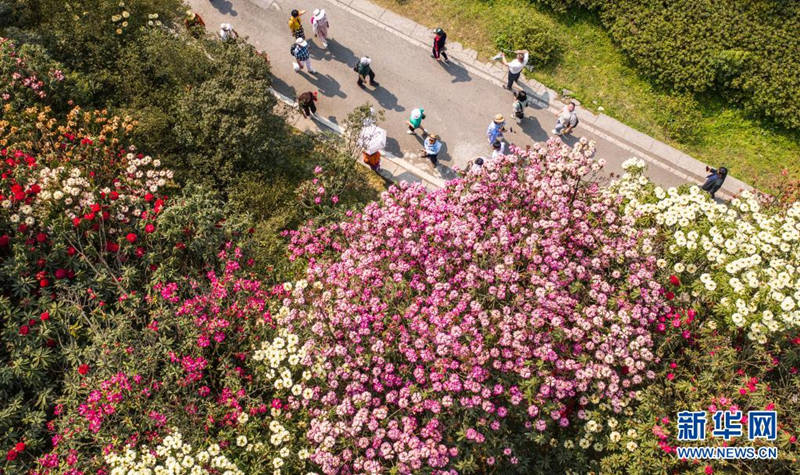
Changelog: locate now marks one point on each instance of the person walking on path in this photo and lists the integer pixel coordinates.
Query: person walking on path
(414, 122)
(227, 33)
(519, 106)
(306, 102)
(296, 25)
(515, 67)
(432, 147)
(496, 128)
(320, 25)
(567, 120)
(303, 57)
(364, 69)
(439, 40)
(714, 180)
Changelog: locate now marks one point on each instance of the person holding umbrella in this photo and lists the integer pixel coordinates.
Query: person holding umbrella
(372, 140)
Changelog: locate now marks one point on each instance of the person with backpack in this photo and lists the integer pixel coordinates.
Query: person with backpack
(319, 24)
(567, 120)
(300, 52)
(714, 180)
(306, 102)
(439, 40)
(296, 25)
(519, 105)
(364, 69)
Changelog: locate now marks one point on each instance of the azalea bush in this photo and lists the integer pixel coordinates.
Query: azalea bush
(737, 259)
(454, 330)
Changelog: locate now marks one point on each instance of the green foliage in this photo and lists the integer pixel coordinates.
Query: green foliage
(749, 52)
(679, 115)
(515, 33)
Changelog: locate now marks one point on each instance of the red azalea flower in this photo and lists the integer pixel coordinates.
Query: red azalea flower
(139, 251)
(709, 470)
(673, 279)
(112, 247)
(60, 273)
(83, 369)
(131, 237)
(11, 455)
(23, 330)
(113, 195)
(44, 316)
(106, 215)
(76, 222)
(149, 228)
(44, 283)
(95, 207)
(4, 240)
(670, 296)
(670, 376)
(20, 446)
(50, 343)
(41, 237)
(71, 251)
(148, 197)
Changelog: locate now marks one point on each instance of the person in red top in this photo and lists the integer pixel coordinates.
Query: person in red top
(194, 24)
(439, 39)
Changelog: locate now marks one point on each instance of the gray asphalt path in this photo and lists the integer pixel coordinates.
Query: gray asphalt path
(459, 105)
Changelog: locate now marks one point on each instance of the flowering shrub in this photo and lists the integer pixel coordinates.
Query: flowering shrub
(738, 259)
(19, 83)
(451, 329)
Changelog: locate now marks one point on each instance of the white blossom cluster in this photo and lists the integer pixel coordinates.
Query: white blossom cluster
(741, 259)
(172, 457)
(283, 356)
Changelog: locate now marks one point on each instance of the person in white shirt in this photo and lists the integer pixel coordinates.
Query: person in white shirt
(498, 150)
(567, 120)
(227, 33)
(477, 166)
(515, 67)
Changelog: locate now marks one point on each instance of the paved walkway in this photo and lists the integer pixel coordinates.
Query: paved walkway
(460, 99)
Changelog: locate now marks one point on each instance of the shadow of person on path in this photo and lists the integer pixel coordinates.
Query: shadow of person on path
(386, 99)
(224, 6)
(284, 88)
(393, 147)
(570, 139)
(341, 53)
(327, 86)
(459, 73)
(533, 129)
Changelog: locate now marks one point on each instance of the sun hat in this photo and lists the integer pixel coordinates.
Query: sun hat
(417, 113)
(316, 12)
(319, 14)
(498, 118)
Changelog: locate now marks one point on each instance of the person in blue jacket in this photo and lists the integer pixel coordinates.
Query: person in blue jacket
(714, 180)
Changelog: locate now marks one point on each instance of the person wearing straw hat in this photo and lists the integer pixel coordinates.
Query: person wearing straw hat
(496, 129)
(303, 57)
(432, 147)
(194, 24)
(296, 25)
(319, 24)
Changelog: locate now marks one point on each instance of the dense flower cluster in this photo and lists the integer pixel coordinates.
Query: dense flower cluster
(510, 302)
(172, 455)
(740, 258)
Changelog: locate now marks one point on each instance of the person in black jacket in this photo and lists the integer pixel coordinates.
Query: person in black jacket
(438, 45)
(714, 180)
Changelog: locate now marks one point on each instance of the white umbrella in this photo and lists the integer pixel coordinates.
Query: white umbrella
(372, 139)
